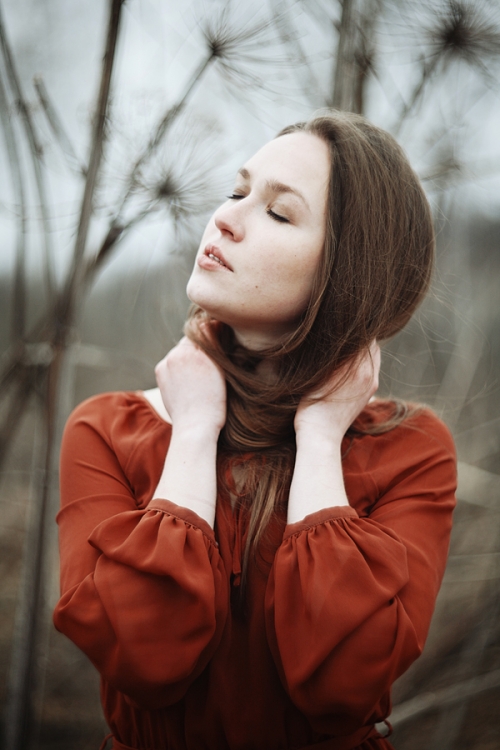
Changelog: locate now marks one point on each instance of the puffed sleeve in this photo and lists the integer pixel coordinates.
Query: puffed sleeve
(144, 593)
(350, 599)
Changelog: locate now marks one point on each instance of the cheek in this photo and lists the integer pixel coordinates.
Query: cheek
(299, 270)
(285, 283)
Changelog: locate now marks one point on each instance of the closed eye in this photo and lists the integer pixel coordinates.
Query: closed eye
(270, 212)
(277, 217)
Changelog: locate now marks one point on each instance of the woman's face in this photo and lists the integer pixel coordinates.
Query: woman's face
(257, 259)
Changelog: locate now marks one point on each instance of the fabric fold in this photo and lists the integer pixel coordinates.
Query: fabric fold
(347, 588)
(152, 612)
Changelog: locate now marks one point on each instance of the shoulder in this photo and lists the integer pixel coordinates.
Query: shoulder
(103, 408)
(421, 427)
(417, 455)
(410, 468)
(113, 416)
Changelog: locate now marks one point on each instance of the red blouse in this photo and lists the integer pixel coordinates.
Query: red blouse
(338, 605)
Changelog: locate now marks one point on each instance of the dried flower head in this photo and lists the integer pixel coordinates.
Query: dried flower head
(237, 46)
(184, 178)
(464, 32)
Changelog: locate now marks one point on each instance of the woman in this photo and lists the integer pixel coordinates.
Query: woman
(251, 553)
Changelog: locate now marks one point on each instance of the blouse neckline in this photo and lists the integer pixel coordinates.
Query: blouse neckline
(141, 396)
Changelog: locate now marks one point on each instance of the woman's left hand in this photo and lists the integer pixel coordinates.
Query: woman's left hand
(328, 413)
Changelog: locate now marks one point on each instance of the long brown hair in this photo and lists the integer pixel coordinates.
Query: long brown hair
(374, 270)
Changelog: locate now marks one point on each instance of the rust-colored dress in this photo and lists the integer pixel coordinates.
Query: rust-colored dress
(338, 605)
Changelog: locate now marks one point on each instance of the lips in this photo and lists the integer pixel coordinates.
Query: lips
(213, 252)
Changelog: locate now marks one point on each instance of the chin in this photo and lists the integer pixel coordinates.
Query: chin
(196, 296)
(193, 291)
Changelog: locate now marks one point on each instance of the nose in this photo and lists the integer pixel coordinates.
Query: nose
(229, 220)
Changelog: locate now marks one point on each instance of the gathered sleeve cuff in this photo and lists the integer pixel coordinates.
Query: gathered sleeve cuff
(319, 517)
(350, 598)
(143, 591)
(151, 613)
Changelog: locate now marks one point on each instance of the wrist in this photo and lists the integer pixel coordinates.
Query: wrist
(199, 433)
(323, 439)
(188, 478)
(318, 480)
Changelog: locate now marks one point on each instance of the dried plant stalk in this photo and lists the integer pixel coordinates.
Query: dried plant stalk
(364, 54)
(19, 396)
(22, 721)
(98, 137)
(343, 73)
(57, 128)
(161, 129)
(36, 154)
(18, 309)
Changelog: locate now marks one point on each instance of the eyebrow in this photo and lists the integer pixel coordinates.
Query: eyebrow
(275, 186)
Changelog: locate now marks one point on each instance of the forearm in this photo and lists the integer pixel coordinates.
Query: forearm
(317, 481)
(189, 474)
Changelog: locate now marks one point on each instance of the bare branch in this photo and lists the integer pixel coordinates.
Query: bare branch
(57, 128)
(35, 150)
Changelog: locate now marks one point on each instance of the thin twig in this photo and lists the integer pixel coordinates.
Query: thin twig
(298, 60)
(57, 128)
(168, 119)
(35, 151)
(427, 70)
(117, 228)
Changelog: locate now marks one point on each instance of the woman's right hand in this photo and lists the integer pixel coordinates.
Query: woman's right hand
(192, 387)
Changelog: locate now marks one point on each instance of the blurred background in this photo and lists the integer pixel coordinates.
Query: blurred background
(121, 127)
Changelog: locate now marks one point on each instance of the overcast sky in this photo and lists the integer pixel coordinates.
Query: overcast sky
(161, 44)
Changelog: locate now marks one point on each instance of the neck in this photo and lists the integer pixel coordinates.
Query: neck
(256, 341)
(266, 370)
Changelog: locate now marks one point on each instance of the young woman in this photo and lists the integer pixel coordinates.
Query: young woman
(251, 553)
